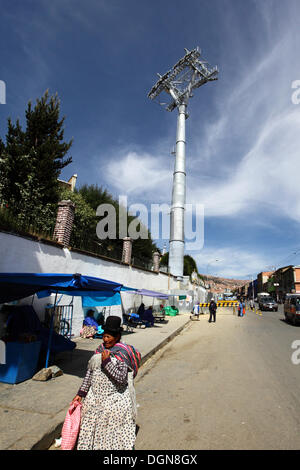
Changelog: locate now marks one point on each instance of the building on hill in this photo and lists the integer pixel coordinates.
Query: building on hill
(68, 184)
(284, 281)
(262, 281)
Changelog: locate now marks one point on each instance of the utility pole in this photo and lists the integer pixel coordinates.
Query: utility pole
(178, 83)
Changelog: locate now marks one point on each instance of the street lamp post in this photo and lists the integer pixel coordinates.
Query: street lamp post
(208, 265)
(211, 261)
(252, 289)
(276, 284)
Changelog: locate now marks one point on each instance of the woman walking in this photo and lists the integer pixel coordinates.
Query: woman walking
(108, 417)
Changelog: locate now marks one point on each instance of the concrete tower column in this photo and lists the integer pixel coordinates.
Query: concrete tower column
(176, 249)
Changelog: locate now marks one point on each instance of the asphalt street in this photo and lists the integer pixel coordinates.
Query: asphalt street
(225, 385)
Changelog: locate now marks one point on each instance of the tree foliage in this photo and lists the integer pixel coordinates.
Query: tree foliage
(32, 159)
(189, 264)
(95, 195)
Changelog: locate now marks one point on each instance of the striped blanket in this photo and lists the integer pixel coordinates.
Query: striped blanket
(125, 353)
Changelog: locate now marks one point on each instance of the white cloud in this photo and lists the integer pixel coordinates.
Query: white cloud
(268, 175)
(232, 262)
(140, 175)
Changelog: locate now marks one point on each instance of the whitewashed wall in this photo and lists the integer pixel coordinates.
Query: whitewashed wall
(23, 255)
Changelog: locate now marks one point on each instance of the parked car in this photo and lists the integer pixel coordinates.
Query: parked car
(292, 308)
(268, 304)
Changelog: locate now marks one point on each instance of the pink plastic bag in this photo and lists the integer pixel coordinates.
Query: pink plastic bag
(71, 427)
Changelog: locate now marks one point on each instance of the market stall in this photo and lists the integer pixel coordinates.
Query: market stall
(148, 293)
(22, 353)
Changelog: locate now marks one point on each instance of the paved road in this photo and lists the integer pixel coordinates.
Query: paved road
(228, 385)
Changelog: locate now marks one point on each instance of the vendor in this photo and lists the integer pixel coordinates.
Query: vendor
(141, 309)
(148, 316)
(90, 326)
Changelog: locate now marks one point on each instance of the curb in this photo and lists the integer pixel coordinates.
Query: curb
(47, 440)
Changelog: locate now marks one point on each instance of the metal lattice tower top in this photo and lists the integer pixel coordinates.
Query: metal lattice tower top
(189, 73)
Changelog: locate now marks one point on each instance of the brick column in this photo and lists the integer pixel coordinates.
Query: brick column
(64, 222)
(127, 250)
(156, 260)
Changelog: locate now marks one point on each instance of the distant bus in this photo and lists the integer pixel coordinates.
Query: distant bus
(228, 296)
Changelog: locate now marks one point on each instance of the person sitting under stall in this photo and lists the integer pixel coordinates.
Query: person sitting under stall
(90, 326)
(141, 310)
(148, 317)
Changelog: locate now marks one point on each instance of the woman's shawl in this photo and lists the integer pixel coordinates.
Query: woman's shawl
(126, 353)
(88, 321)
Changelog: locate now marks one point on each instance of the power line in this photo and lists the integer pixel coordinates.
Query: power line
(277, 264)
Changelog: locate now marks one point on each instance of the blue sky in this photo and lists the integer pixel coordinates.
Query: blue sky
(243, 138)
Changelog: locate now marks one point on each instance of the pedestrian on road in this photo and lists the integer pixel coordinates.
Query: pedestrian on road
(241, 308)
(196, 311)
(212, 310)
(108, 418)
(251, 304)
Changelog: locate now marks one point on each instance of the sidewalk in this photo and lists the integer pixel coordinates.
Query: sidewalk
(32, 412)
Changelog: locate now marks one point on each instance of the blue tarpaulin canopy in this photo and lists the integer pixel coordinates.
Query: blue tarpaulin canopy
(15, 286)
(148, 293)
(106, 299)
